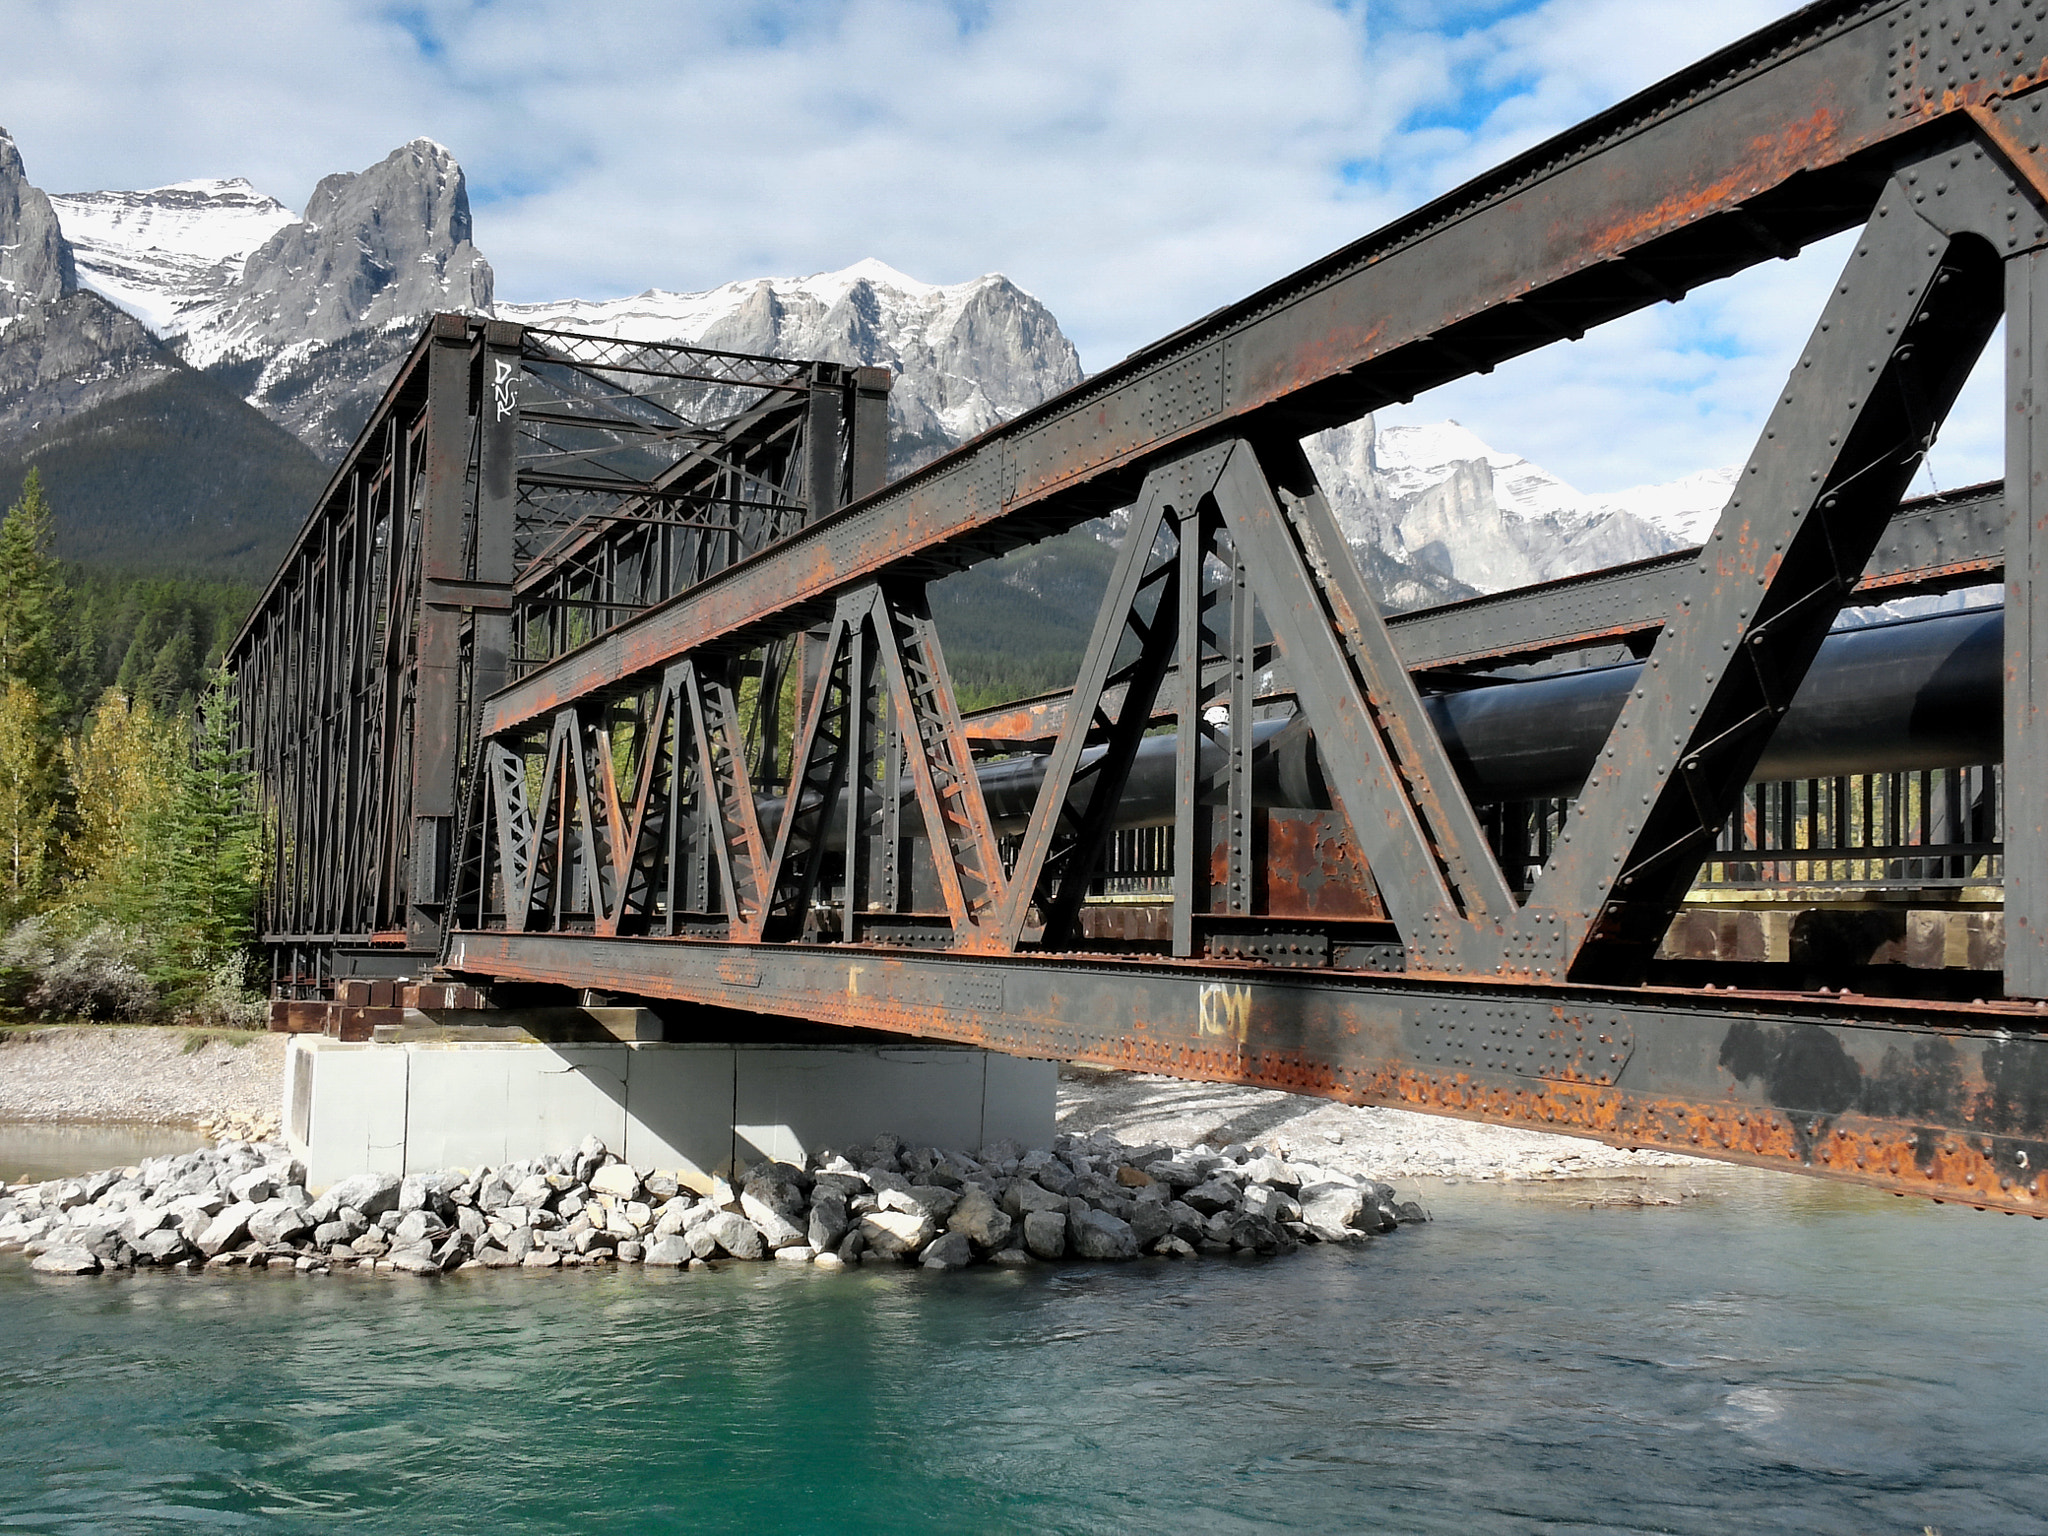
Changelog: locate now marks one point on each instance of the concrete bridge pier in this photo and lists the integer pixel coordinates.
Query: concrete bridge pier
(466, 1090)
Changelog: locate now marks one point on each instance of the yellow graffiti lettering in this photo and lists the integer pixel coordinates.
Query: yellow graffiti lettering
(1226, 1010)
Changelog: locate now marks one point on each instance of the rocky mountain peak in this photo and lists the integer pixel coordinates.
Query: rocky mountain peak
(966, 356)
(375, 247)
(36, 264)
(1437, 501)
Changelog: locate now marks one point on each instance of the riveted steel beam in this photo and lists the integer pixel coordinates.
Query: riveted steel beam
(1931, 1099)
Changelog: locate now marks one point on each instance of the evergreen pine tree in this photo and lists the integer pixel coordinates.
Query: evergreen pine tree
(172, 672)
(209, 839)
(36, 645)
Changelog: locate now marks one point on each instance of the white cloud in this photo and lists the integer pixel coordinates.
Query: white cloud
(1135, 165)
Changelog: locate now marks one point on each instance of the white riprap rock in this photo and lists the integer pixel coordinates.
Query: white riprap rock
(230, 1227)
(953, 1251)
(977, 1218)
(1096, 1234)
(369, 1194)
(617, 1180)
(65, 1260)
(1045, 1234)
(894, 1234)
(776, 1228)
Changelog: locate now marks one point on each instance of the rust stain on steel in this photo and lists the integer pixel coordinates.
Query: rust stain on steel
(1989, 1172)
(1948, 1115)
(1308, 867)
(1793, 146)
(1989, 569)
(2019, 159)
(1020, 723)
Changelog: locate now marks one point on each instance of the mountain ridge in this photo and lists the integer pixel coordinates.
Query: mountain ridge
(966, 356)
(303, 316)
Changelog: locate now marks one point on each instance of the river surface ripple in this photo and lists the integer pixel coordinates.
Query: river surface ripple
(1781, 1355)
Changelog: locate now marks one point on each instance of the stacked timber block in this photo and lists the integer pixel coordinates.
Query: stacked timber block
(360, 1005)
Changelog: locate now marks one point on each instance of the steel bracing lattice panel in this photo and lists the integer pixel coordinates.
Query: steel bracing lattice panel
(517, 492)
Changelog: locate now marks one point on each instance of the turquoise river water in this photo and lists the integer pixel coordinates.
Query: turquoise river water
(1776, 1356)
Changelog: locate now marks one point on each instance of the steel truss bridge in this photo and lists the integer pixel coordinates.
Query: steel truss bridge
(609, 666)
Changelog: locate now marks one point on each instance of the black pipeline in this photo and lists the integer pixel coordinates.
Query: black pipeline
(1911, 694)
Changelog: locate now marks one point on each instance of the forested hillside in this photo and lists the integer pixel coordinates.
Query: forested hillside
(182, 478)
(1017, 626)
(129, 851)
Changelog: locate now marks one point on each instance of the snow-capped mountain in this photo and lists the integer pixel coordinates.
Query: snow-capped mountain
(170, 254)
(965, 356)
(306, 316)
(224, 272)
(1686, 508)
(1436, 499)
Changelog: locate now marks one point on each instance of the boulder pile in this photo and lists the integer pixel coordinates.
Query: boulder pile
(246, 1205)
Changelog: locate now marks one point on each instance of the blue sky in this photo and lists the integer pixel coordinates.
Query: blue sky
(1134, 165)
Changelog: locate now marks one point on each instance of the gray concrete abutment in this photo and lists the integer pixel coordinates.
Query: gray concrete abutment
(439, 1100)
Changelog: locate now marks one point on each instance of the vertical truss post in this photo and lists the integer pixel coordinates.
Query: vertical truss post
(688, 865)
(1237, 893)
(818, 771)
(487, 594)
(885, 854)
(767, 744)
(1061, 845)
(730, 822)
(1193, 816)
(2026, 626)
(823, 454)
(863, 742)
(868, 449)
(497, 509)
(436, 704)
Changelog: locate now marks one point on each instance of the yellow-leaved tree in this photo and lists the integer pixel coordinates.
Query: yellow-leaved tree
(123, 773)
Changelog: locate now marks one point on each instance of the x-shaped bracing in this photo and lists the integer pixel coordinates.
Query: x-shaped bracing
(1904, 324)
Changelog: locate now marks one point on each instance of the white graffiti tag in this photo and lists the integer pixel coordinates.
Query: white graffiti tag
(505, 389)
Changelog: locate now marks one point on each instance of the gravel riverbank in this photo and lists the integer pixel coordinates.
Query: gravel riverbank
(142, 1073)
(1380, 1143)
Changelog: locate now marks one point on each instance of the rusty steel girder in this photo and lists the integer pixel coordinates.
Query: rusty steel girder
(1944, 1100)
